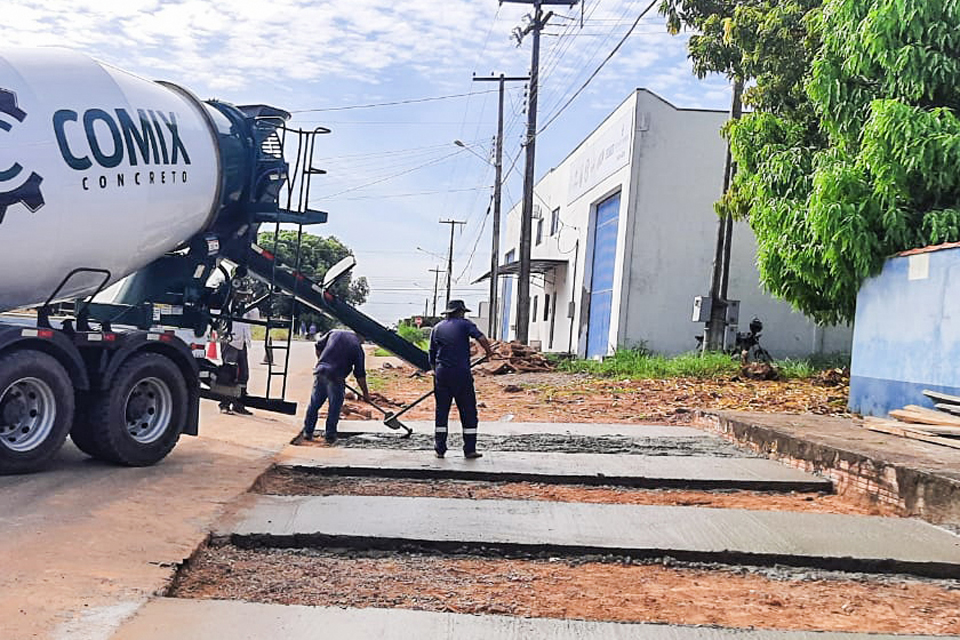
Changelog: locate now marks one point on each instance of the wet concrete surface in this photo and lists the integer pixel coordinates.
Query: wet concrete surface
(167, 618)
(667, 445)
(851, 543)
(510, 428)
(656, 471)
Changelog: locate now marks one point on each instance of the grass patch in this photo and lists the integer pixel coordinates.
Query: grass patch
(257, 333)
(419, 337)
(376, 382)
(380, 352)
(641, 364)
(811, 366)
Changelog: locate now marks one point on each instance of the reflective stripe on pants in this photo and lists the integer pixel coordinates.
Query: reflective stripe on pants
(449, 386)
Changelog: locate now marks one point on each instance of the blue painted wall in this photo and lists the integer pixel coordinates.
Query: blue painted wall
(906, 336)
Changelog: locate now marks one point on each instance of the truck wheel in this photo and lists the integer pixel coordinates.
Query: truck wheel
(81, 433)
(138, 421)
(36, 410)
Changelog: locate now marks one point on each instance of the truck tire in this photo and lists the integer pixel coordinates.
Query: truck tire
(36, 410)
(81, 434)
(138, 421)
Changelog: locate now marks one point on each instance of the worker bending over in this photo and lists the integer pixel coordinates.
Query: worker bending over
(338, 352)
(450, 359)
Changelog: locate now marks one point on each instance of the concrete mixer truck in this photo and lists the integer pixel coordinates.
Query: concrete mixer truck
(109, 178)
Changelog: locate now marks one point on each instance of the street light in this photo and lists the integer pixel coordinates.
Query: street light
(463, 145)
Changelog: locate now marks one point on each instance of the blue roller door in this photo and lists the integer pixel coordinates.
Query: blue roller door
(602, 276)
(506, 297)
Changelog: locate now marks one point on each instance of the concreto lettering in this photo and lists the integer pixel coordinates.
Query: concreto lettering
(151, 138)
(136, 179)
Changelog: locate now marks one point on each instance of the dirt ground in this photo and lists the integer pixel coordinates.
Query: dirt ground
(290, 482)
(595, 588)
(563, 397)
(592, 590)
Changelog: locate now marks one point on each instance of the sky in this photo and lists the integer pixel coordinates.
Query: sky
(393, 170)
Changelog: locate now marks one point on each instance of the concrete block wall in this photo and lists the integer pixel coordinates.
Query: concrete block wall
(907, 332)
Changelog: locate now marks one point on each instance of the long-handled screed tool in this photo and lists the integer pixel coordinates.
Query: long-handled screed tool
(389, 417)
(392, 420)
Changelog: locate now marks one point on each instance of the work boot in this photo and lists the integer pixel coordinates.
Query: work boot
(472, 455)
(440, 442)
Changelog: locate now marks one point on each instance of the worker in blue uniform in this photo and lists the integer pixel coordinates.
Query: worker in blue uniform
(338, 352)
(450, 359)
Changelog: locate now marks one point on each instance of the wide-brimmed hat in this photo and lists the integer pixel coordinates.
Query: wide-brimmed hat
(455, 305)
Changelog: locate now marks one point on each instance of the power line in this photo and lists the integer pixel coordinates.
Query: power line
(390, 152)
(597, 70)
(394, 103)
(567, 79)
(390, 177)
(473, 252)
(415, 194)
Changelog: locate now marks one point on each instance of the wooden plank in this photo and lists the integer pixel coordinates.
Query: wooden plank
(923, 428)
(926, 417)
(938, 396)
(950, 408)
(939, 417)
(935, 429)
(907, 432)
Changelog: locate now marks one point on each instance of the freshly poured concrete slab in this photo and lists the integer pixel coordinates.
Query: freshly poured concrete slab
(852, 543)
(689, 472)
(534, 428)
(166, 618)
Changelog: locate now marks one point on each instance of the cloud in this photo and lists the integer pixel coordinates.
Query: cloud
(305, 54)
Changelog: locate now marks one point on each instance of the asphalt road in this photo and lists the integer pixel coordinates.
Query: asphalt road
(83, 544)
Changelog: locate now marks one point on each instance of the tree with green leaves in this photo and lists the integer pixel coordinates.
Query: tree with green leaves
(317, 254)
(849, 154)
(875, 173)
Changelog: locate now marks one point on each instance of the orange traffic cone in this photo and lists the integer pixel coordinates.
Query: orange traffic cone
(212, 346)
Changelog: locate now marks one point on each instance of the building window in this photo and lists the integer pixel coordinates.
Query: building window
(546, 306)
(554, 221)
(539, 230)
(533, 316)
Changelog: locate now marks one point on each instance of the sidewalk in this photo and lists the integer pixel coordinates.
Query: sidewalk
(921, 479)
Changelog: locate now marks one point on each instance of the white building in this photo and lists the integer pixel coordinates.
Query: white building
(624, 234)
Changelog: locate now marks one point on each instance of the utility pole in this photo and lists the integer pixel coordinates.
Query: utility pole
(498, 165)
(537, 22)
(436, 280)
(453, 224)
(721, 260)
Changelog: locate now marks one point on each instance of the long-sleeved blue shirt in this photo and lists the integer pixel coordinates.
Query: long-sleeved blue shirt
(338, 352)
(450, 343)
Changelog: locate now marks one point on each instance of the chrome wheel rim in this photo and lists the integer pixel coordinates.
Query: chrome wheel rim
(28, 411)
(148, 410)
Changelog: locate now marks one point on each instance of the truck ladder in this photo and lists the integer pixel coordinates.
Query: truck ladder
(293, 197)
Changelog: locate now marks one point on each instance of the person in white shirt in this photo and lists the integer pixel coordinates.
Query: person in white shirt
(236, 351)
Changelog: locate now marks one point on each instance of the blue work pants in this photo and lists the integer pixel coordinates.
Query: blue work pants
(325, 388)
(455, 385)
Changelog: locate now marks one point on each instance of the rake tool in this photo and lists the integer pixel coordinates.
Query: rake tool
(390, 419)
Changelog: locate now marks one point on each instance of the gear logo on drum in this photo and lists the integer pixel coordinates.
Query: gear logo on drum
(13, 188)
